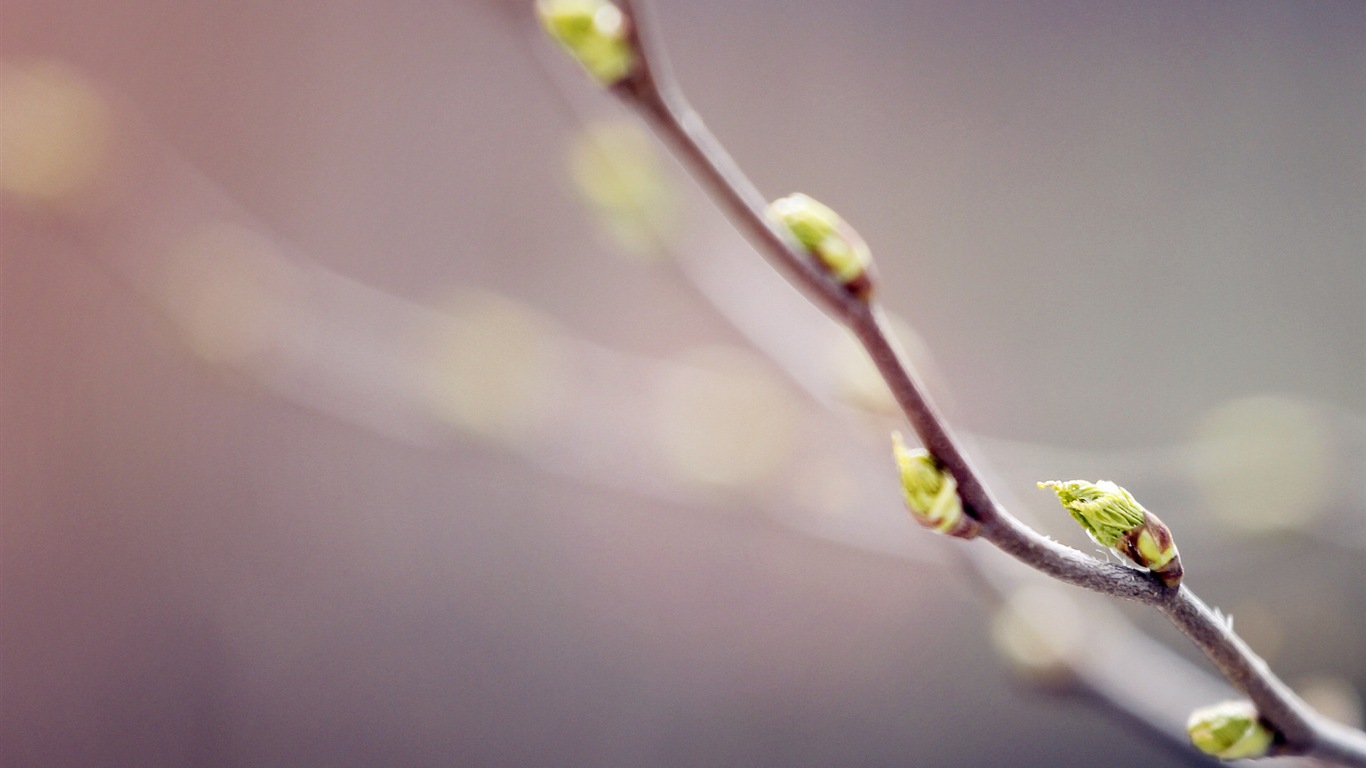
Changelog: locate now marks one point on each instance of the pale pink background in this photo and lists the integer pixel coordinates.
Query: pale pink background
(1104, 218)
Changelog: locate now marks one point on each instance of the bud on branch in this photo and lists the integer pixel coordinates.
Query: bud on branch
(1230, 730)
(837, 247)
(595, 32)
(931, 493)
(1114, 519)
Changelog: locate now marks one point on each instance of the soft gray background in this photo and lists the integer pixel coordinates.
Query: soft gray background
(1105, 219)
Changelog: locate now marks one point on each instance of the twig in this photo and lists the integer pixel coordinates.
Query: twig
(1089, 675)
(651, 89)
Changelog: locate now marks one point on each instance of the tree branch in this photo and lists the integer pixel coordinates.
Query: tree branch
(652, 90)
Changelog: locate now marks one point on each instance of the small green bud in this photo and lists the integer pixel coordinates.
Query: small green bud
(1230, 730)
(1113, 518)
(1104, 509)
(595, 32)
(931, 493)
(835, 244)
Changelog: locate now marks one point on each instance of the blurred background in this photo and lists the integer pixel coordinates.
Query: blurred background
(372, 392)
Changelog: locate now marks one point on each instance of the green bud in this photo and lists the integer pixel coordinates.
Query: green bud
(931, 494)
(595, 32)
(835, 244)
(1230, 730)
(1113, 518)
(1104, 509)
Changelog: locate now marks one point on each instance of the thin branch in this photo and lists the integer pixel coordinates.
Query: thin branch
(653, 91)
(1089, 675)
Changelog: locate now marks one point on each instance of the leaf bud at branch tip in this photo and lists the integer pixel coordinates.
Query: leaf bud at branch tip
(1113, 518)
(595, 32)
(1230, 730)
(836, 246)
(930, 492)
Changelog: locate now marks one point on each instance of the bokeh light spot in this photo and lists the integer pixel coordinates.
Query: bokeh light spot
(1263, 463)
(494, 366)
(725, 420)
(616, 168)
(55, 136)
(228, 290)
(1038, 629)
